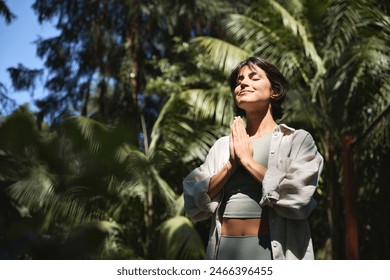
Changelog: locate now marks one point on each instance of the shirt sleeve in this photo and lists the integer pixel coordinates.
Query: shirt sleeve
(289, 187)
(197, 203)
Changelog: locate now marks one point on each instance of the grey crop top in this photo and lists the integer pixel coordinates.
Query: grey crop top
(242, 193)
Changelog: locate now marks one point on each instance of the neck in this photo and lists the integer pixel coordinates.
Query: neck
(259, 124)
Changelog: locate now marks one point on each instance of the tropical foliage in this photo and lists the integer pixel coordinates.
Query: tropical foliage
(137, 94)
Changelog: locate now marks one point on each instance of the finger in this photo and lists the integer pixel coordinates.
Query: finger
(234, 129)
(241, 131)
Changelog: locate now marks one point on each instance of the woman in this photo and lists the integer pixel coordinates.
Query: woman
(257, 184)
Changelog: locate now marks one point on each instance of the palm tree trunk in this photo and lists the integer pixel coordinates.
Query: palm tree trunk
(350, 205)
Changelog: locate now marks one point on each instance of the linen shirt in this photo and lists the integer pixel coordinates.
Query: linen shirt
(294, 167)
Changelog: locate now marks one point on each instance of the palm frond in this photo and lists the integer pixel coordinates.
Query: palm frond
(178, 239)
(374, 56)
(253, 36)
(266, 42)
(39, 195)
(382, 20)
(114, 246)
(371, 57)
(341, 20)
(146, 180)
(179, 206)
(174, 133)
(91, 131)
(299, 29)
(345, 22)
(211, 104)
(223, 54)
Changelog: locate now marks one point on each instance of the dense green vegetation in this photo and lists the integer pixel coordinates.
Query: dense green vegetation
(137, 93)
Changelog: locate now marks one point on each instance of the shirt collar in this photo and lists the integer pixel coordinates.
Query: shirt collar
(283, 128)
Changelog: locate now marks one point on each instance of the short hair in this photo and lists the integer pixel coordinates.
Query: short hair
(277, 80)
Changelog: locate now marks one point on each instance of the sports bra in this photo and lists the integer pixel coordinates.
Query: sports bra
(242, 193)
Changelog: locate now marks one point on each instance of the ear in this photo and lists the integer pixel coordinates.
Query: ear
(274, 94)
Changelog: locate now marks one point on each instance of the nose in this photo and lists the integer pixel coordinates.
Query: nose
(243, 83)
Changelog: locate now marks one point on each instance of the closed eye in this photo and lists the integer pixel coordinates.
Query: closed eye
(254, 76)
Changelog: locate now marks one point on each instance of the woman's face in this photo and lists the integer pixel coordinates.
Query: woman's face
(253, 89)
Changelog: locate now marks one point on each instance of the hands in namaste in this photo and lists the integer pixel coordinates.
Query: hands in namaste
(240, 144)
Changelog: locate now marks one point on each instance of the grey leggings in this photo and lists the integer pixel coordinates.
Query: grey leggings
(244, 248)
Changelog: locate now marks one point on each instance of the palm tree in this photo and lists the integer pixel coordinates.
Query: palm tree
(84, 181)
(81, 181)
(95, 175)
(336, 56)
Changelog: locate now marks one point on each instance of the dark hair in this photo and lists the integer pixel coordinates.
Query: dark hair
(277, 80)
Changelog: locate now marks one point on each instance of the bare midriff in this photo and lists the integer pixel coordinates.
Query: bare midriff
(244, 227)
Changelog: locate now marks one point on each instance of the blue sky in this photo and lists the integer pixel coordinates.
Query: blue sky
(17, 45)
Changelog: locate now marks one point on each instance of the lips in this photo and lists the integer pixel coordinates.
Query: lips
(244, 92)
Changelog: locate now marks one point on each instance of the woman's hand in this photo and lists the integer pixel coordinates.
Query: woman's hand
(233, 158)
(241, 153)
(240, 145)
